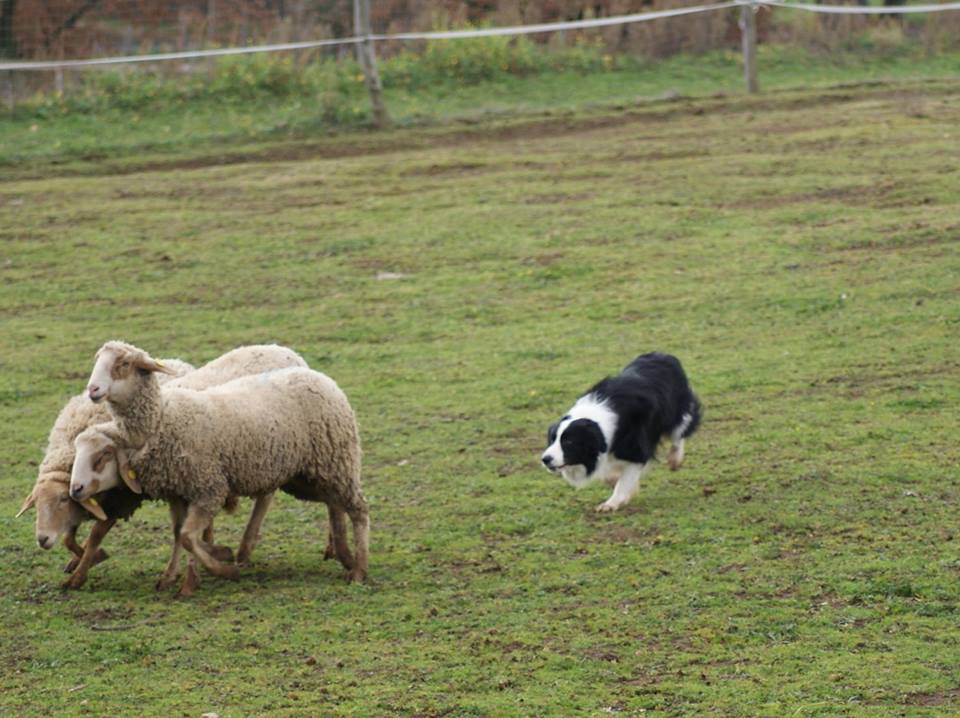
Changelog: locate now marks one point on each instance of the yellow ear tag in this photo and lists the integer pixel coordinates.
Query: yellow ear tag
(131, 474)
(93, 501)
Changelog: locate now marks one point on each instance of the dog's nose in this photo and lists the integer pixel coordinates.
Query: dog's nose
(547, 461)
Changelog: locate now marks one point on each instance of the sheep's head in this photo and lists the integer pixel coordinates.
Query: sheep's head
(118, 371)
(100, 464)
(57, 515)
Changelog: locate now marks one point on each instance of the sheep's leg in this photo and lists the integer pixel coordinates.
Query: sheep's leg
(191, 577)
(360, 517)
(337, 545)
(251, 535)
(221, 553)
(70, 541)
(190, 537)
(329, 552)
(90, 552)
(178, 511)
(191, 580)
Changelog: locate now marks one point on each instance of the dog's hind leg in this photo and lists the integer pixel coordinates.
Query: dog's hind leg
(675, 457)
(626, 487)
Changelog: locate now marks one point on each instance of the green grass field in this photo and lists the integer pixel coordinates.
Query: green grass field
(798, 251)
(135, 128)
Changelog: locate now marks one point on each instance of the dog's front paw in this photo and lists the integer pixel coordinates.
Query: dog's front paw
(606, 507)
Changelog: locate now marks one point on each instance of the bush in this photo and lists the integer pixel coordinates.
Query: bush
(336, 86)
(484, 59)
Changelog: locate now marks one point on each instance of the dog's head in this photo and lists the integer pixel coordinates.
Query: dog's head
(573, 449)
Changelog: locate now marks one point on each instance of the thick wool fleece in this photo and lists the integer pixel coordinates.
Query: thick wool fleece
(242, 361)
(136, 417)
(292, 429)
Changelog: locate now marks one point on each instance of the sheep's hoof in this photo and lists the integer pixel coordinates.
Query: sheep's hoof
(356, 575)
(74, 582)
(190, 582)
(228, 571)
(243, 556)
(329, 552)
(165, 582)
(222, 553)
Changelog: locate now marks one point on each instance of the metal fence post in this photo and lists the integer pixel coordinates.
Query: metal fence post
(368, 60)
(748, 36)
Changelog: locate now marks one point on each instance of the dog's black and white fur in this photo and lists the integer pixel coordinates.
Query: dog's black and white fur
(611, 434)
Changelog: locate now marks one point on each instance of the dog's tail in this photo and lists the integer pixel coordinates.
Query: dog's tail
(696, 414)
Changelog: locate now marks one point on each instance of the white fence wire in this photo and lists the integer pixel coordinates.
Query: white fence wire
(482, 32)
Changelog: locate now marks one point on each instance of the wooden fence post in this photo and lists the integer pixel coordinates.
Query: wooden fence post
(368, 60)
(748, 36)
(10, 94)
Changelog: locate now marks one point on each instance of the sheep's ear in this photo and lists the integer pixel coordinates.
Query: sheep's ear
(128, 475)
(147, 363)
(28, 503)
(94, 508)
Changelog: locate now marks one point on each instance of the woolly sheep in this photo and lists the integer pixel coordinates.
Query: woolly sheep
(243, 361)
(291, 429)
(57, 515)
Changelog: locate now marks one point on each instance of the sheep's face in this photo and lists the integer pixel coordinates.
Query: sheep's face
(95, 467)
(118, 372)
(57, 515)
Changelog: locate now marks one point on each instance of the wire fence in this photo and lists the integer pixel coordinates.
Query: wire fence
(364, 37)
(15, 66)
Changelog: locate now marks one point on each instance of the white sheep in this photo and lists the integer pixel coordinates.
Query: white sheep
(58, 516)
(291, 429)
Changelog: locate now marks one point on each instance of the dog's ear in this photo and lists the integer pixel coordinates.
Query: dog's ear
(552, 433)
(596, 436)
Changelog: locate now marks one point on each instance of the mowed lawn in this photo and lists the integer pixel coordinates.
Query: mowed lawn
(799, 252)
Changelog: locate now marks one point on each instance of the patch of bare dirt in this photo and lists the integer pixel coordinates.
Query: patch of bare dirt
(933, 698)
(445, 169)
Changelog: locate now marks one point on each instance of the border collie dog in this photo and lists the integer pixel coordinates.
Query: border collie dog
(611, 434)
